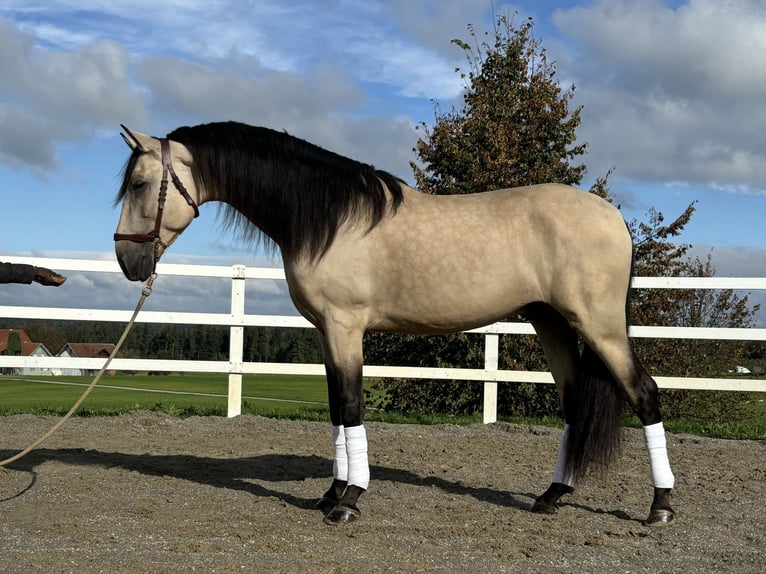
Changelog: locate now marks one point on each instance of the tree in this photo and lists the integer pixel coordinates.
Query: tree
(515, 127)
(14, 344)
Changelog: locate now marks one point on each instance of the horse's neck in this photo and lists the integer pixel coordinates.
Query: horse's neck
(261, 205)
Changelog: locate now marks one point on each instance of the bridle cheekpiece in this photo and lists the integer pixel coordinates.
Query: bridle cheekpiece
(154, 235)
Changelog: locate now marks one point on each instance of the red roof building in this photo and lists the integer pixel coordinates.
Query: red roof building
(90, 350)
(28, 349)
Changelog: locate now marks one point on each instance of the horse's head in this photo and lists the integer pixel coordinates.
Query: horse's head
(154, 211)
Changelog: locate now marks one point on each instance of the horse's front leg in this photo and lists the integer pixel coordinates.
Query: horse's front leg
(351, 471)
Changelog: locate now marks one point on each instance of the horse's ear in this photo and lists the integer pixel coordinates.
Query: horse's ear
(138, 141)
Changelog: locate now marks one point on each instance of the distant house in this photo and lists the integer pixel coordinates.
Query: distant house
(89, 350)
(28, 349)
(740, 370)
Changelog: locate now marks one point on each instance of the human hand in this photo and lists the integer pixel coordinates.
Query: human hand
(47, 277)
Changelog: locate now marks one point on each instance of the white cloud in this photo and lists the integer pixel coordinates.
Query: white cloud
(362, 37)
(702, 49)
(73, 70)
(734, 261)
(226, 90)
(671, 94)
(50, 97)
(314, 106)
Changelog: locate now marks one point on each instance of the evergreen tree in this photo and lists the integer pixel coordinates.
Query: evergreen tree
(14, 344)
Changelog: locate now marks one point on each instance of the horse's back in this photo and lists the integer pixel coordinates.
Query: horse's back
(560, 205)
(548, 220)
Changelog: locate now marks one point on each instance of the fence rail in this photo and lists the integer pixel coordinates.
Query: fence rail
(236, 320)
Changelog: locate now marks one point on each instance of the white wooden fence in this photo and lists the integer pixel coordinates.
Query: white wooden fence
(237, 320)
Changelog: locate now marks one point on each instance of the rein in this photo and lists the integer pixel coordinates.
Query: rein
(145, 292)
(154, 235)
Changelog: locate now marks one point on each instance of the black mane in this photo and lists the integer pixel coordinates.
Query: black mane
(295, 192)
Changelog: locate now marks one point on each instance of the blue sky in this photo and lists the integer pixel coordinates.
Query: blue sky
(672, 96)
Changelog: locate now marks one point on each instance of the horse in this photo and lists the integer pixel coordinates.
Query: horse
(364, 251)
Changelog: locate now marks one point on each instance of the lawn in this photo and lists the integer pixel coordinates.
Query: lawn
(283, 396)
(189, 393)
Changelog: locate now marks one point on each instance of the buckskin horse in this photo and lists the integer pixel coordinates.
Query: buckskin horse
(364, 251)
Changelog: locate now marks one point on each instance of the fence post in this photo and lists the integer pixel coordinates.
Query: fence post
(491, 344)
(236, 340)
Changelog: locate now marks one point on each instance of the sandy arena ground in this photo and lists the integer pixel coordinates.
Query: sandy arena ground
(146, 493)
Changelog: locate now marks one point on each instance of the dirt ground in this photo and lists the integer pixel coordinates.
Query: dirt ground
(145, 493)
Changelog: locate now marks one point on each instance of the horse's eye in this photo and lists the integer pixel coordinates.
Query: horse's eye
(137, 185)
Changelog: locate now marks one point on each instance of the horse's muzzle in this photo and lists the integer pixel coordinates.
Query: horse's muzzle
(136, 259)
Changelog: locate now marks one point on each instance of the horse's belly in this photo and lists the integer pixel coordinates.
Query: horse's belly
(448, 307)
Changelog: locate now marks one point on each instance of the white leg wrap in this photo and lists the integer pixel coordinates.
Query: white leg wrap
(558, 470)
(356, 448)
(340, 461)
(662, 476)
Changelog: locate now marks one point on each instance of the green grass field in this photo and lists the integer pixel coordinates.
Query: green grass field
(282, 396)
(182, 394)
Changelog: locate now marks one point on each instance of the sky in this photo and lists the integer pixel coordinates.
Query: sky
(671, 92)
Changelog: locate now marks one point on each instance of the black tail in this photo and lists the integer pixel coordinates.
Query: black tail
(593, 410)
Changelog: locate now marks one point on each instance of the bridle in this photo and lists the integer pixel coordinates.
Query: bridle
(154, 235)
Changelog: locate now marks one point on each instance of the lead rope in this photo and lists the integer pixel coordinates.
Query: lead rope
(145, 292)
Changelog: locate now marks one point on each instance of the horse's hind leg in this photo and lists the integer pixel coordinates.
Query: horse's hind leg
(643, 395)
(559, 342)
(644, 399)
(587, 381)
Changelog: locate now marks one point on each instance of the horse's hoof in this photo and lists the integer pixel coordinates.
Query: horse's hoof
(340, 515)
(325, 504)
(661, 517)
(542, 507)
(547, 502)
